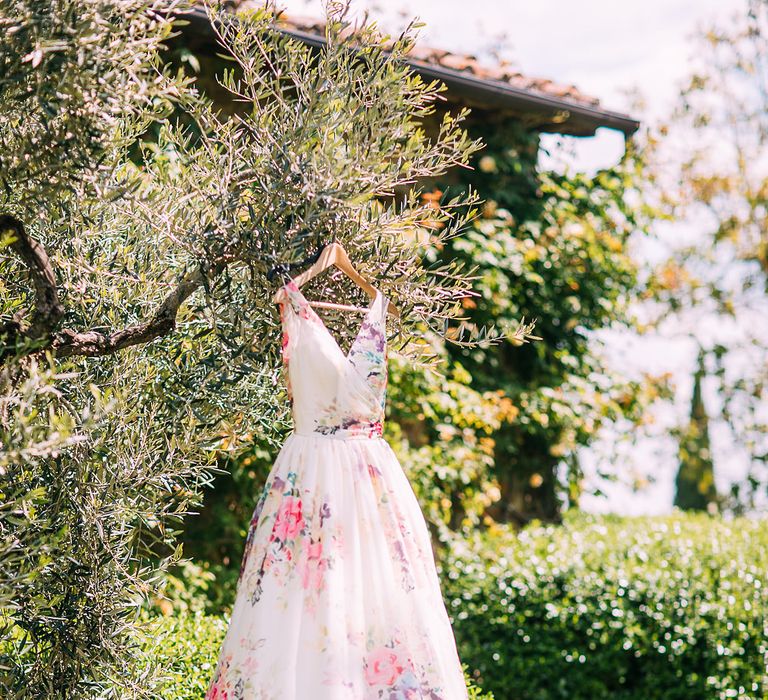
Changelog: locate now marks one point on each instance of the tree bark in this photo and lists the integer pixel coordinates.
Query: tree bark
(48, 310)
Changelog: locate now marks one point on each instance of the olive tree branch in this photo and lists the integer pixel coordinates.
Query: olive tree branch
(67, 343)
(49, 311)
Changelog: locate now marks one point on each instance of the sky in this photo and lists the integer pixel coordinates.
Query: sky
(616, 51)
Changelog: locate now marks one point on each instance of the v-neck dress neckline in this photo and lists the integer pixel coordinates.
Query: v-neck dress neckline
(291, 286)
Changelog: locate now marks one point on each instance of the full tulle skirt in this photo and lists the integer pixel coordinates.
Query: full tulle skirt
(338, 596)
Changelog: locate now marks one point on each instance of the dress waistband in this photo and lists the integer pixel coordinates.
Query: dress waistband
(339, 435)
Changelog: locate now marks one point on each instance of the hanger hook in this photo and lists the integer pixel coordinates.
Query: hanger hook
(285, 269)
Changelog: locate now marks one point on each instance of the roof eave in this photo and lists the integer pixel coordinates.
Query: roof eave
(558, 115)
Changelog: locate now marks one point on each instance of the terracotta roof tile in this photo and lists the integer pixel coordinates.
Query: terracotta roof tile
(458, 62)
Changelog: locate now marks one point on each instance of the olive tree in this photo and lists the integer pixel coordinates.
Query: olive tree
(142, 235)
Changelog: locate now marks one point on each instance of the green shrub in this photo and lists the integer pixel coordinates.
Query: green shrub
(186, 647)
(671, 608)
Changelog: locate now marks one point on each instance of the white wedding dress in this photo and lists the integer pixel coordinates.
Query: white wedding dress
(338, 596)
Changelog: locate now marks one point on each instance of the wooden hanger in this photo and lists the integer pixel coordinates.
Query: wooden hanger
(335, 255)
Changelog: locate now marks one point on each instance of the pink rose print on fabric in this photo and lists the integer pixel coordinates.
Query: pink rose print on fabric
(289, 520)
(383, 667)
(219, 689)
(314, 566)
(217, 693)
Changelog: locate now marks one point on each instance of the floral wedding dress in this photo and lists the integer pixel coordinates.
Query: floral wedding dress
(338, 597)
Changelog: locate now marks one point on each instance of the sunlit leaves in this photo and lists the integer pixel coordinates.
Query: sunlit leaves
(69, 99)
(91, 492)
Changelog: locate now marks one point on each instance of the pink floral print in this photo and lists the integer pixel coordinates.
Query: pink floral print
(289, 519)
(314, 566)
(391, 674)
(290, 539)
(383, 667)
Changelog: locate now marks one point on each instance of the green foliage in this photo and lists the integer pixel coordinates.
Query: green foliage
(671, 608)
(695, 482)
(81, 527)
(329, 145)
(561, 256)
(186, 648)
(441, 430)
(69, 99)
(213, 538)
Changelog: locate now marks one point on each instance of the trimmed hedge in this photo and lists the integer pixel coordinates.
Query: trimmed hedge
(671, 608)
(186, 647)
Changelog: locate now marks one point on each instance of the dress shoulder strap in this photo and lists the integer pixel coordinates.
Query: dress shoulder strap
(381, 304)
(290, 291)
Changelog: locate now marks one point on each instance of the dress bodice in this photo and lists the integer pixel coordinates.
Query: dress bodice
(332, 393)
